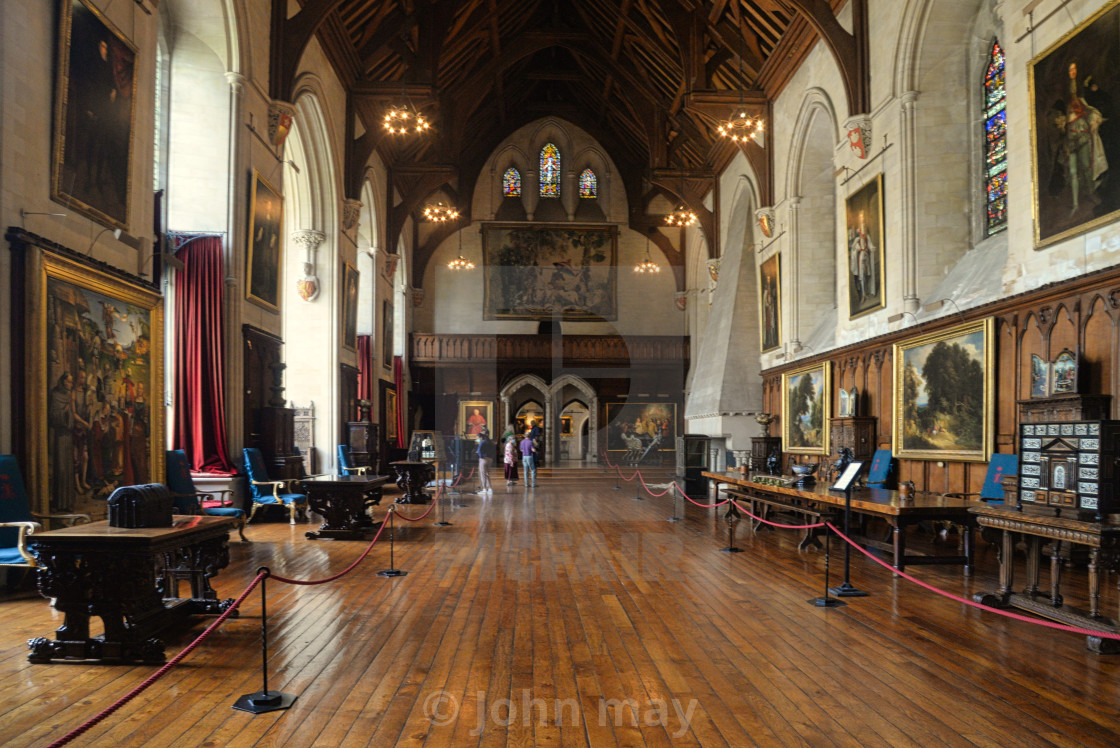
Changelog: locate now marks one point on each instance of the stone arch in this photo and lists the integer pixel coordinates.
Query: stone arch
(556, 390)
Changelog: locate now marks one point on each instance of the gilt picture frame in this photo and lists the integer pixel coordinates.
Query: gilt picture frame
(866, 255)
(264, 269)
(944, 407)
(94, 383)
(94, 117)
(805, 410)
(349, 311)
(770, 303)
(474, 416)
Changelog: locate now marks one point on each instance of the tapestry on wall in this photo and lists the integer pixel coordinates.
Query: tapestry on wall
(1076, 133)
(541, 272)
(864, 211)
(94, 90)
(95, 384)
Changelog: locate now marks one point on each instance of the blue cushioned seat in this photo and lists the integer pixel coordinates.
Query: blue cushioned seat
(187, 498)
(17, 521)
(346, 464)
(259, 485)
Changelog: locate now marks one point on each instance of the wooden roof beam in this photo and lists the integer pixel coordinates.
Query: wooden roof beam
(849, 50)
(290, 37)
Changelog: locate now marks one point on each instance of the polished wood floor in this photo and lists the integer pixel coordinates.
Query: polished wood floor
(570, 615)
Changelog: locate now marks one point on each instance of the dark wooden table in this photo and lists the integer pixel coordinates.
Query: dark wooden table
(876, 502)
(411, 478)
(1103, 541)
(344, 502)
(129, 578)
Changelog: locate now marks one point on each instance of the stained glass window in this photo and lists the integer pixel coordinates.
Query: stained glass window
(588, 184)
(995, 141)
(511, 183)
(550, 171)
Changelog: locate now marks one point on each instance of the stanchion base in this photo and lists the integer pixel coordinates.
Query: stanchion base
(637, 498)
(847, 590)
(826, 602)
(673, 519)
(460, 506)
(732, 549)
(391, 573)
(442, 524)
(616, 488)
(261, 702)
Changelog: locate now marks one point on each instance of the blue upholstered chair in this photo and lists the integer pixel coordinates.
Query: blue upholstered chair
(188, 499)
(882, 473)
(17, 521)
(346, 464)
(266, 492)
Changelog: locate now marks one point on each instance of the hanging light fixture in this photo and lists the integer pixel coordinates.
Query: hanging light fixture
(460, 262)
(647, 265)
(440, 212)
(683, 215)
(402, 118)
(741, 125)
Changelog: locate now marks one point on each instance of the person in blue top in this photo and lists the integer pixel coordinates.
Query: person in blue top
(528, 459)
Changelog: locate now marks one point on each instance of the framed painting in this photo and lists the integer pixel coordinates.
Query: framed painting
(805, 408)
(1075, 147)
(842, 409)
(266, 214)
(943, 394)
(1063, 373)
(94, 383)
(853, 402)
(565, 425)
(1040, 376)
(95, 92)
(349, 307)
(474, 416)
(770, 302)
(639, 427)
(542, 272)
(864, 211)
(389, 415)
(386, 334)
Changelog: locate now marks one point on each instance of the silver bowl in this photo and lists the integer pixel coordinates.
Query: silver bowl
(804, 471)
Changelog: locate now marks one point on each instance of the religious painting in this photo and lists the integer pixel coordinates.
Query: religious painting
(1040, 376)
(474, 416)
(565, 425)
(543, 272)
(770, 303)
(389, 416)
(1063, 373)
(266, 212)
(864, 211)
(641, 428)
(349, 307)
(1075, 129)
(94, 384)
(805, 409)
(943, 394)
(94, 98)
(386, 334)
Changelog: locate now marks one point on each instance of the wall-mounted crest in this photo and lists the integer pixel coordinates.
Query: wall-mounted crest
(859, 135)
(765, 218)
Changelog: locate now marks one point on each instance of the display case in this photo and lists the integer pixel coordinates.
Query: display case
(693, 458)
(426, 446)
(1069, 466)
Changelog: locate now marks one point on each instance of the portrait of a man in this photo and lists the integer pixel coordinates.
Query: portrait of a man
(266, 212)
(865, 249)
(349, 306)
(93, 132)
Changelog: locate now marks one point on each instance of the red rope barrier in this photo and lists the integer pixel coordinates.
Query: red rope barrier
(631, 478)
(92, 721)
(672, 485)
(608, 461)
(775, 524)
(966, 601)
(706, 506)
(344, 572)
(435, 500)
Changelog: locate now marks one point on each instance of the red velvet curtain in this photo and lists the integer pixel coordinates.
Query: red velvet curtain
(200, 427)
(398, 380)
(366, 380)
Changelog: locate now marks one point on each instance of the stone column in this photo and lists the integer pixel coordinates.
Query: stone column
(569, 193)
(593, 431)
(309, 240)
(530, 197)
(237, 165)
(908, 167)
(793, 299)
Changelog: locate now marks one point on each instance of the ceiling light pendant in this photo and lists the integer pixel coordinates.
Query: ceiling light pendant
(682, 217)
(440, 212)
(460, 262)
(647, 265)
(740, 126)
(403, 118)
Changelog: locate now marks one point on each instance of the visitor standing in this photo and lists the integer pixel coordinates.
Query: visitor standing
(528, 460)
(485, 460)
(510, 460)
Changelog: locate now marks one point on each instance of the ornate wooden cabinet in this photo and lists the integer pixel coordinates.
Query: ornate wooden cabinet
(363, 438)
(857, 434)
(1070, 466)
(1059, 408)
(761, 447)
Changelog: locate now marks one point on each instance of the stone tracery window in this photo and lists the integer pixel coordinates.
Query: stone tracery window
(550, 171)
(511, 183)
(588, 184)
(995, 141)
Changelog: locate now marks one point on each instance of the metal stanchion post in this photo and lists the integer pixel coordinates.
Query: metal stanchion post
(637, 486)
(617, 475)
(392, 571)
(846, 589)
(443, 502)
(678, 503)
(732, 517)
(826, 601)
(264, 700)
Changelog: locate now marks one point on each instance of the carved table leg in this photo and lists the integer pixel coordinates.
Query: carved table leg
(899, 534)
(1094, 583)
(966, 542)
(1007, 564)
(1034, 555)
(1056, 575)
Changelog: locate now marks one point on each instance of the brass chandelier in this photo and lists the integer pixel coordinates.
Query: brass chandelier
(741, 125)
(460, 262)
(440, 212)
(647, 265)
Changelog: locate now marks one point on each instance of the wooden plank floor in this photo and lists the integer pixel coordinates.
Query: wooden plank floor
(570, 615)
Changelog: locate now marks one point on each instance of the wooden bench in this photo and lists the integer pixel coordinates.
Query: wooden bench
(807, 514)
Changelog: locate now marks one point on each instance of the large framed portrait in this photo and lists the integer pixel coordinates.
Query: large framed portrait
(1075, 137)
(386, 334)
(641, 427)
(349, 307)
(474, 416)
(943, 394)
(94, 383)
(389, 413)
(266, 214)
(866, 266)
(770, 302)
(805, 410)
(538, 272)
(94, 98)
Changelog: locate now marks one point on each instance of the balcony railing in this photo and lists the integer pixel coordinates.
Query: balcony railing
(586, 350)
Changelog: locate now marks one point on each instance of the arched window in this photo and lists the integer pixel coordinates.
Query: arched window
(511, 183)
(995, 141)
(588, 184)
(550, 171)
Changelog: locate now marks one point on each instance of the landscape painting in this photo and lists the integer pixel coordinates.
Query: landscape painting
(943, 394)
(805, 408)
(542, 272)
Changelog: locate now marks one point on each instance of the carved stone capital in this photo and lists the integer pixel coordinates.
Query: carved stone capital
(309, 239)
(280, 117)
(351, 209)
(859, 135)
(308, 285)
